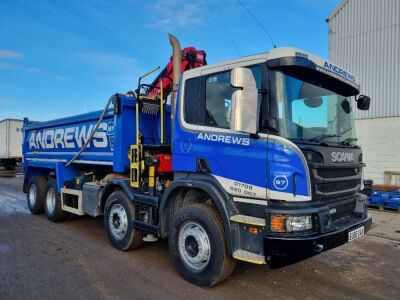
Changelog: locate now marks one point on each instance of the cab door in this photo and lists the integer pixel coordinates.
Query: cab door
(204, 142)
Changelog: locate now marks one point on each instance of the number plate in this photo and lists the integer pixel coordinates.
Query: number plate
(356, 233)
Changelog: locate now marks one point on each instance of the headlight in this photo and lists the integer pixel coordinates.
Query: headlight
(287, 223)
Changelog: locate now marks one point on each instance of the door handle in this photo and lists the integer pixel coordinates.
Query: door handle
(203, 166)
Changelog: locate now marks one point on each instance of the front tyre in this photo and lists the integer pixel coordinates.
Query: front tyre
(118, 221)
(197, 245)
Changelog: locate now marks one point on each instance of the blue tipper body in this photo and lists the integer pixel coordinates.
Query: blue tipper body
(51, 144)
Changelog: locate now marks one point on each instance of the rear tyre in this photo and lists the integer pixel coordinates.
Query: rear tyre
(52, 204)
(119, 214)
(197, 245)
(36, 194)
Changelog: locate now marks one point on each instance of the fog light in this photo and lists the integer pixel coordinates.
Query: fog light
(287, 223)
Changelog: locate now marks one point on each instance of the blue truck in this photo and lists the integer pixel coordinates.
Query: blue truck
(253, 159)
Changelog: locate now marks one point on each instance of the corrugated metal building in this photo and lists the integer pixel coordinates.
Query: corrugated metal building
(364, 38)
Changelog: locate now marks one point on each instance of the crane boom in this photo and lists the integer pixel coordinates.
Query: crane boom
(191, 58)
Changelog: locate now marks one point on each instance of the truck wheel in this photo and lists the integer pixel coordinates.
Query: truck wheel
(36, 194)
(52, 204)
(118, 221)
(197, 245)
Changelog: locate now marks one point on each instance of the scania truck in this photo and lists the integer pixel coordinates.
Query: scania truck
(253, 159)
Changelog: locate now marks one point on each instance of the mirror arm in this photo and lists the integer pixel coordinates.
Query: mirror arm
(255, 136)
(263, 91)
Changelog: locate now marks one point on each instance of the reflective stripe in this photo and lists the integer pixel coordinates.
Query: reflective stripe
(260, 192)
(93, 162)
(251, 201)
(47, 159)
(229, 185)
(249, 257)
(248, 220)
(70, 153)
(287, 196)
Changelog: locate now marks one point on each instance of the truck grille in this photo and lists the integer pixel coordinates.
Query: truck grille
(337, 186)
(332, 173)
(332, 182)
(331, 179)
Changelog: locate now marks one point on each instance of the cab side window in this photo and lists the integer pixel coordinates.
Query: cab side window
(194, 104)
(218, 100)
(208, 99)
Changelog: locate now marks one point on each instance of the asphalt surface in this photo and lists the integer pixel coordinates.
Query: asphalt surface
(73, 259)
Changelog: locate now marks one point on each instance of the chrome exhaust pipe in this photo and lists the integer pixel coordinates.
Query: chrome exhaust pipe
(176, 65)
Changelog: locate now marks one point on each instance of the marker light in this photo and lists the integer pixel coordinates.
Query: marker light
(253, 230)
(277, 223)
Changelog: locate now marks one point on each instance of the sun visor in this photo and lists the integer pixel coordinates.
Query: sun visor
(314, 70)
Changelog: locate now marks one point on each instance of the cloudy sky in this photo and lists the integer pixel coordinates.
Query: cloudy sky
(59, 58)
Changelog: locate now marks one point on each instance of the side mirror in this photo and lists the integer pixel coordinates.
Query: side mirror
(363, 102)
(244, 115)
(346, 106)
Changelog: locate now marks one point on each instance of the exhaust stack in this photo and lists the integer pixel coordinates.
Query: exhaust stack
(176, 58)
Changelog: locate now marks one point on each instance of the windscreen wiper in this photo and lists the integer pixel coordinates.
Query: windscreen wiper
(348, 141)
(321, 137)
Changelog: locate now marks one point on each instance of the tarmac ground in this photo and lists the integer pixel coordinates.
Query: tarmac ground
(73, 259)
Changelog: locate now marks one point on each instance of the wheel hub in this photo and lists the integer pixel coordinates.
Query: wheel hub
(194, 245)
(191, 246)
(118, 221)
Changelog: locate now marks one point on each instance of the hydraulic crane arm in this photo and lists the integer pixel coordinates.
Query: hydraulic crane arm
(191, 58)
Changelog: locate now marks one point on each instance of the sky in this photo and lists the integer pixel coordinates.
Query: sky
(60, 58)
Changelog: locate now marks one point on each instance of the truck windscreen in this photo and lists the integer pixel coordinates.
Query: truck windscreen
(309, 112)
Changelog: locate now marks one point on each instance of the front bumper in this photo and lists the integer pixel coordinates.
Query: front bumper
(282, 250)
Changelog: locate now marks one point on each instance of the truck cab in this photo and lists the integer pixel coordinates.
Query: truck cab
(275, 133)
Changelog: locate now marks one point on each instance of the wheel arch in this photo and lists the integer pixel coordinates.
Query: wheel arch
(176, 197)
(35, 171)
(111, 187)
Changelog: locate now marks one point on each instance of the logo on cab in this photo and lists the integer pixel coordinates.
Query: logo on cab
(342, 157)
(280, 182)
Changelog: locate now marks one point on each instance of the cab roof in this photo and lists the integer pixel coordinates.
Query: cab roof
(320, 64)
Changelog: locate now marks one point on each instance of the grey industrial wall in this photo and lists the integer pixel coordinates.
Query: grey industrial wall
(380, 141)
(364, 38)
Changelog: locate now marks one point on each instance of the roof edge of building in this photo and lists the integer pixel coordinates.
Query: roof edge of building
(337, 9)
(11, 119)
